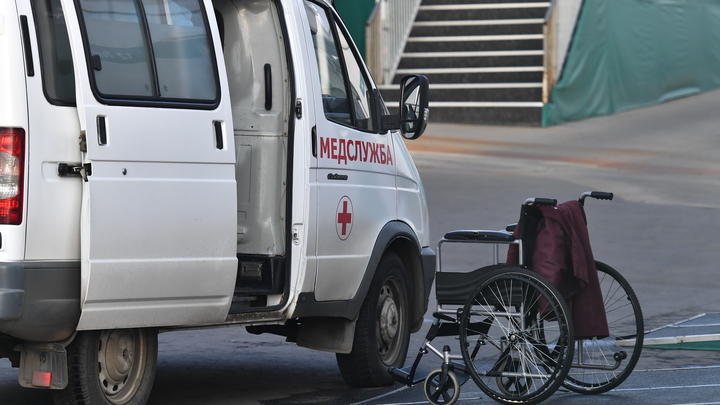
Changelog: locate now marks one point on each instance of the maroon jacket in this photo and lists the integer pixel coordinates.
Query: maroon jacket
(563, 256)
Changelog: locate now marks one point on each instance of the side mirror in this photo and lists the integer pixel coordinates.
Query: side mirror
(414, 109)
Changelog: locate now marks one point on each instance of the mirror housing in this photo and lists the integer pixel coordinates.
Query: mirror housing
(414, 111)
(412, 117)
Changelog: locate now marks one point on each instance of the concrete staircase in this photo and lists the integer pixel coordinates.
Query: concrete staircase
(484, 60)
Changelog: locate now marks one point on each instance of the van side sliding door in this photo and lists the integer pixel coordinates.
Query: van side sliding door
(158, 227)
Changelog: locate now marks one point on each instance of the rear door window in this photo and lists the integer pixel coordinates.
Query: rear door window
(58, 74)
(150, 50)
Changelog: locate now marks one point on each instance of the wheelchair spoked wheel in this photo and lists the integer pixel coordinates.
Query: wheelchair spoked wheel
(516, 336)
(513, 385)
(439, 390)
(609, 361)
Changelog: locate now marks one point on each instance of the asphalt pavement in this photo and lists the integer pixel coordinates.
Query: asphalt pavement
(661, 231)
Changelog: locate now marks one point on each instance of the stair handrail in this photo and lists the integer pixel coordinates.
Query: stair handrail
(558, 31)
(386, 32)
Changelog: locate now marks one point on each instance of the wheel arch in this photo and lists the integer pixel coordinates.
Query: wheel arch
(419, 262)
(411, 255)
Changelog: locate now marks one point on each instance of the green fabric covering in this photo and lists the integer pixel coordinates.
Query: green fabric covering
(634, 53)
(355, 14)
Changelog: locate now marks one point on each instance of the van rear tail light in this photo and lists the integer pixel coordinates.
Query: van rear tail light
(12, 166)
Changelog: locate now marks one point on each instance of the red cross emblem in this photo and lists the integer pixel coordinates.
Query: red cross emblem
(344, 218)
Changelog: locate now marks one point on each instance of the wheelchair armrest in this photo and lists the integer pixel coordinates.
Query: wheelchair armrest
(480, 236)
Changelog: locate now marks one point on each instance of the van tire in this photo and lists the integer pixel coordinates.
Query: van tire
(382, 333)
(110, 367)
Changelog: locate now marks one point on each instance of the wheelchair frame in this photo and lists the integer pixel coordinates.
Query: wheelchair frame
(514, 376)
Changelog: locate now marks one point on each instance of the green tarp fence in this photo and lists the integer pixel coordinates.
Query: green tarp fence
(633, 53)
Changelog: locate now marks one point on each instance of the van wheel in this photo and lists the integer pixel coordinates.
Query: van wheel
(110, 367)
(382, 333)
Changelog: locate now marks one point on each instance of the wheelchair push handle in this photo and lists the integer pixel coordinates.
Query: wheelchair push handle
(598, 195)
(550, 202)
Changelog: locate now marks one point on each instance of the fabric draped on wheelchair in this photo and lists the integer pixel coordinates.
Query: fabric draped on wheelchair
(562, 254)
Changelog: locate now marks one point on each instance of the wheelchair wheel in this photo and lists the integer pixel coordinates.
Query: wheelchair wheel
(441, 393)
(516, 336)
(609, 361)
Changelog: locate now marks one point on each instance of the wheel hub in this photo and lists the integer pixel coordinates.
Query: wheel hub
(388, 320)
(120, 361)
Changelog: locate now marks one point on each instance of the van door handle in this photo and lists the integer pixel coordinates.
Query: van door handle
(218, 134)
(102, 130)
(69, 169)
(75, 170)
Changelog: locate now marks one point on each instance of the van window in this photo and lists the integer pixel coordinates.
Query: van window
(340, 73)
(150, 49)
(58, 75)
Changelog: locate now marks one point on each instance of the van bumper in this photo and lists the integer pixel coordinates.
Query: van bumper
(12, 279)
(39, 301)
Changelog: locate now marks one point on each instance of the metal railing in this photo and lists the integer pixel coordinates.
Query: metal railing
(386, 32)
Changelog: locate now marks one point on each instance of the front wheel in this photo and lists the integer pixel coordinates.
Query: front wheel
(442, 390)
(382, 332)
(110, 367)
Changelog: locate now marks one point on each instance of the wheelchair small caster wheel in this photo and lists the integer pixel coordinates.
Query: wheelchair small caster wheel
(439, 392)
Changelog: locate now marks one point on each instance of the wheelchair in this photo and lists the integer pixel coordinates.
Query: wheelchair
(515, 330)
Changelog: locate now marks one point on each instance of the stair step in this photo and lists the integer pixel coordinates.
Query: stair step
(461, 86)
(446, 28)
(427, 60)
(458, 23)
(486, 95)
(482, 77)
(498, 43)
(471, 54)
(434, 2)
(485, 104)
(492, 69)
(483, 6)
(480, 14)
(476, 38)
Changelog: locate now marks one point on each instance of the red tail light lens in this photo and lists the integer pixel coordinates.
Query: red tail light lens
(12, 166)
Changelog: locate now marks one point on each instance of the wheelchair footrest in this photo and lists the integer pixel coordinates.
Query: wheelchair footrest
(402, 375)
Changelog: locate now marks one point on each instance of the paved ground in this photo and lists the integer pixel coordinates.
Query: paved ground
(661, 232)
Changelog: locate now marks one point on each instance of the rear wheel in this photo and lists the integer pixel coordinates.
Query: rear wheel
(609, 361)
(110, 367)
(516, 337)
(382, 332)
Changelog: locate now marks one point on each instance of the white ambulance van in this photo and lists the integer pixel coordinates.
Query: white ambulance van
(175, 164)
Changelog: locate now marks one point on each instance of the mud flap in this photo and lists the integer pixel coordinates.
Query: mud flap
(43, 365)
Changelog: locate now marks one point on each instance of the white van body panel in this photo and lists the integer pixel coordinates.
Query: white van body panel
(13, 110)
(356, 194)
(155, 251)
(303, 206)
(412, 206)
(53, 227)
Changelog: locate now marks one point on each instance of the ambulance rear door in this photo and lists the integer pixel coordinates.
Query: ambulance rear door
(159, 205)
